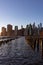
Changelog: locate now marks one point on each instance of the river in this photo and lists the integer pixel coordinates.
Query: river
(18, 52)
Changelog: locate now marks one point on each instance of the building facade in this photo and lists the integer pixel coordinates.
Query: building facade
(9, 30)
(3, 33)
(16, 30)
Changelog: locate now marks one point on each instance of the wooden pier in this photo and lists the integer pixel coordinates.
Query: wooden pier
(35, 41)
(5, 39)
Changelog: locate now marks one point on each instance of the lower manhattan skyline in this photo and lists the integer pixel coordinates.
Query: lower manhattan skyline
(20, 12)
(21, 32)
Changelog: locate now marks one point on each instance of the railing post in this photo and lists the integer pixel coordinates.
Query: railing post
(38, 45)
(34, 44)
(42, 49)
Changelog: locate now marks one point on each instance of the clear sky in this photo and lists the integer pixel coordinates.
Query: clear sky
(20, 12)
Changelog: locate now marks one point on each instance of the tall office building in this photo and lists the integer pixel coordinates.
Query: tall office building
(34, 25)
(21, 26)
(26, 30)
(3, 33)
(16, 30)
(9, 30)
(40, 25)
(16, 27)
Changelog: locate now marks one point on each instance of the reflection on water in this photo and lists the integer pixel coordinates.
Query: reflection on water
(17, 52)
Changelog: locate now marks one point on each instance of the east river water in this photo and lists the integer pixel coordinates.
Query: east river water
(18, 52)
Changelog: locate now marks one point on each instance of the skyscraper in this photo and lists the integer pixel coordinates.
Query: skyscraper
(9, 30)
(3, 33)
(16, 30)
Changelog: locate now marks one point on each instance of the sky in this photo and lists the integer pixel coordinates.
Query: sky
(20, 12)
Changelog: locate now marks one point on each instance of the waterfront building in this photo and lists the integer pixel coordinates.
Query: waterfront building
(40, 25)
(21, 32)
(33, 26)
(13, 33)
(41, 32)
(21, 26)
(16, 30)
(3, 33)
(26, 31)
(30, 29)
(35, 31)
(9, 30)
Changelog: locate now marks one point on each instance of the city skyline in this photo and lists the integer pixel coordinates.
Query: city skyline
(13, 27)
(9, 30)
(20, 12)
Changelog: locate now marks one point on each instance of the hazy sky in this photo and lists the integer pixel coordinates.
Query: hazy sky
(20, 12)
